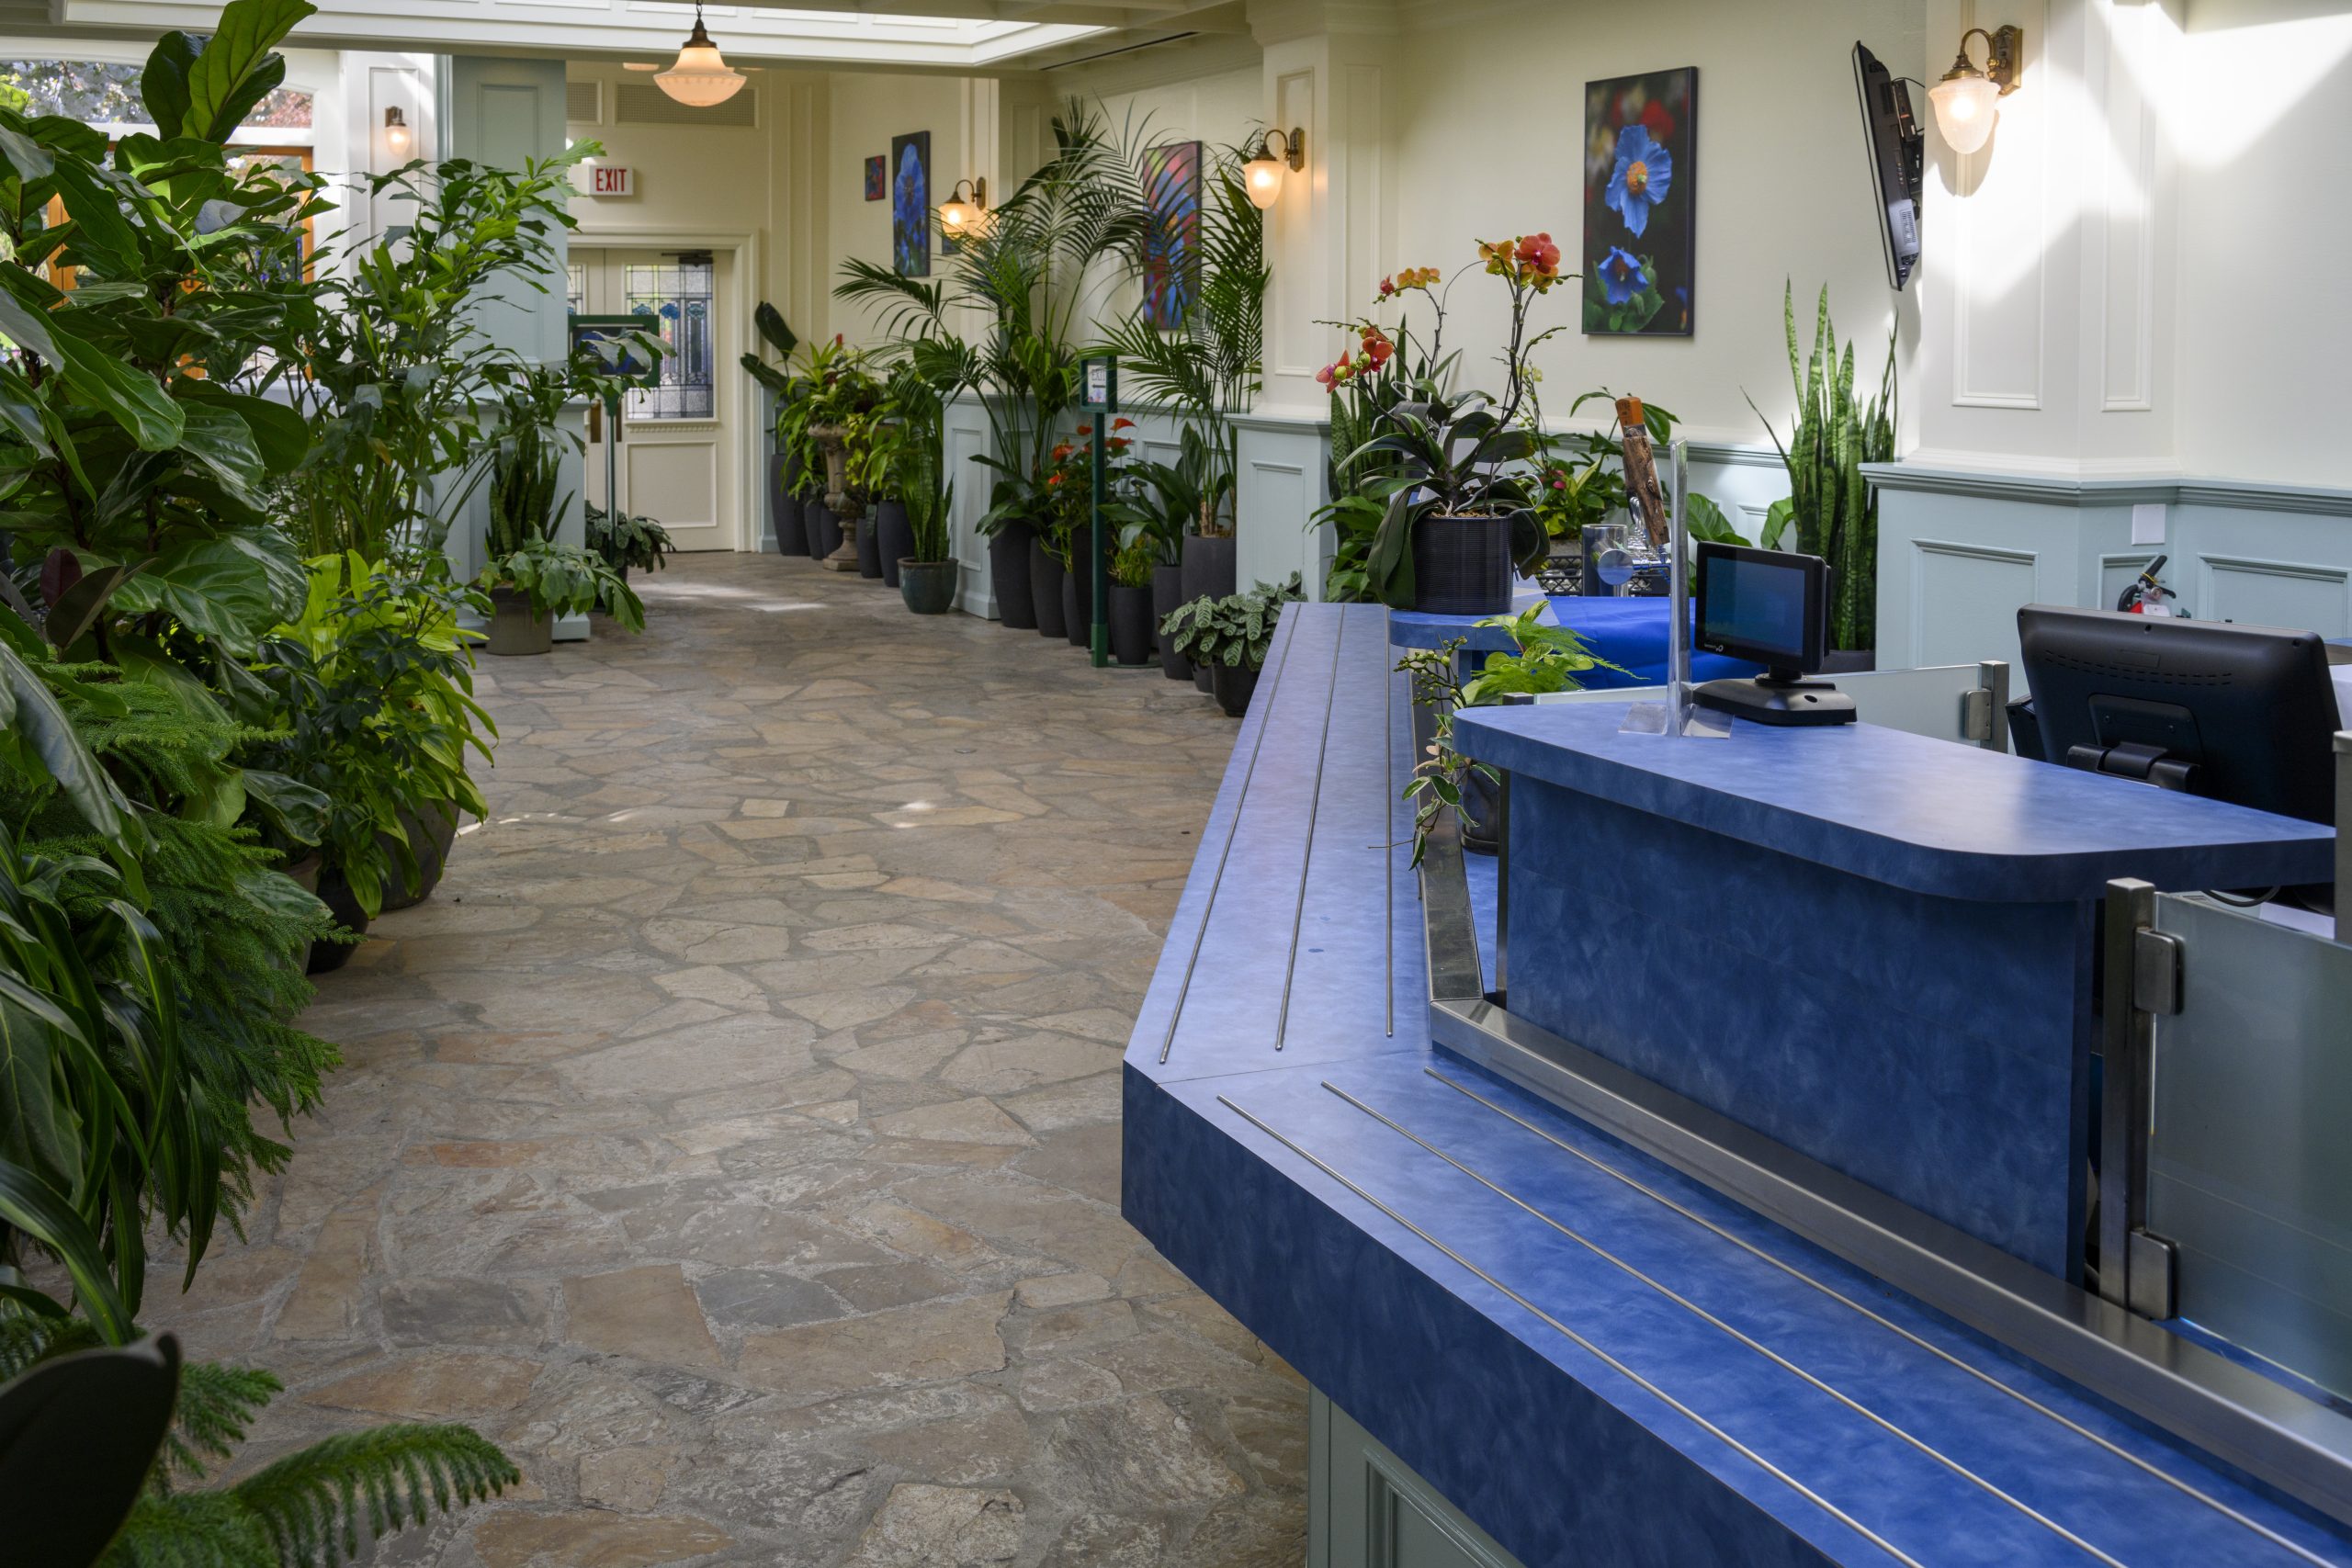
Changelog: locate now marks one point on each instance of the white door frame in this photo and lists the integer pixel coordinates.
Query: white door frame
(744, 247)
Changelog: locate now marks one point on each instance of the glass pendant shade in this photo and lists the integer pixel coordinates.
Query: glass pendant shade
(1965, 109)
(1263, 177)
(702, 76)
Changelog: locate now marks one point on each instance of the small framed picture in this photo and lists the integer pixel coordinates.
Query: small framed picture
(877, 179)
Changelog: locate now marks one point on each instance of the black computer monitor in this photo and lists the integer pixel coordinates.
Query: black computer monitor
(1770, 607)
(2241, 714)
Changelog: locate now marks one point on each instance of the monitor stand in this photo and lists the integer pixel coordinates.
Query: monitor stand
(1779, 696)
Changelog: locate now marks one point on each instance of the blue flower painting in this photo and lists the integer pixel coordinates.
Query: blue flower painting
(910, 204)
(1640, 203)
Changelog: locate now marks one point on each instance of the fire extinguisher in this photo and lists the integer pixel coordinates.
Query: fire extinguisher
(2143, 595)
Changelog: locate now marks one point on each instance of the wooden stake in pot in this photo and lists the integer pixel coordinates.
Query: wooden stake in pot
(1641, 472)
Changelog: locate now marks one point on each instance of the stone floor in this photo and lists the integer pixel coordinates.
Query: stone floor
(734, 1136)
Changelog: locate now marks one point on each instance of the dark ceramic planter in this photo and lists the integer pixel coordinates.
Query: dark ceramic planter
(1077, 603)
(335, 893)
(1130, 624)
(1009, 575)
(784, 508)
(824, 529)
(1232, 686)
(1167, 593)
(870, 549)
(1462, 565)
(894, 536)
(1209, 565)
(927, 586)
(1201, 682)
(1046, 591)
(430, 834)
(514, 630)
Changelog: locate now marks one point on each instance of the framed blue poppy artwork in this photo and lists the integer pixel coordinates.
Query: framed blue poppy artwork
(1172, 245)
(877, 178)
(910, 204)
(1641, 177)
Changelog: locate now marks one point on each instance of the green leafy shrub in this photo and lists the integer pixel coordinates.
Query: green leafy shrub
(1234, 631)
(627, 540)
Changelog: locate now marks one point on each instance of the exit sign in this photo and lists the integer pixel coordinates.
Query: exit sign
(611, 179)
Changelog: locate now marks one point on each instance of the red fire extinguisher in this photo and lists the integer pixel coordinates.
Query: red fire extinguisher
(2143, 595)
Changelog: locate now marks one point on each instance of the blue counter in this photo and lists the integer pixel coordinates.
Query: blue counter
(1604, 1362)
(1630, 633)
(1873, 947)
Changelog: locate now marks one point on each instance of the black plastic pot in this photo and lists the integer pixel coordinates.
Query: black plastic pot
(1201, 682)
(1046, 591)
(1009, 572)
(927, 586)
(1209, 565)
(1232, 685)
(1167, 593)
(430, 834)
(513, 629)
(335, 893)
(1077, 603)
(824, 529)
(894, 536)
(1130, 624)
(784, 508)
(1462, 565)
(869, 547)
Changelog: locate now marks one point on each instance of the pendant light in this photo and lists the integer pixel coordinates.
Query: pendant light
(701, 78)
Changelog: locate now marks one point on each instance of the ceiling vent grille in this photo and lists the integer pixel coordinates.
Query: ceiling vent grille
(641, 102)
(583, 103)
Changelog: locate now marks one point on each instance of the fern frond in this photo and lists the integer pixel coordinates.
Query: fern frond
(191, 1530)
(28, 1336)
(311, 1501)
(216, 1403)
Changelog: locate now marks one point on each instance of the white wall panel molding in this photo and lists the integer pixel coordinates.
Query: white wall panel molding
(2001, 226)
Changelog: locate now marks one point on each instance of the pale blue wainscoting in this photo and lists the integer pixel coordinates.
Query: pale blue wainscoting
(1958, 552)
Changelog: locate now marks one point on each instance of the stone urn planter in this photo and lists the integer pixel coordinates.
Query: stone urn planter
(513, 629)
(845, 508)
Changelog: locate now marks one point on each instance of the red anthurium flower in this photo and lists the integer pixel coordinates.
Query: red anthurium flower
(1122, 423)
(1062, 451)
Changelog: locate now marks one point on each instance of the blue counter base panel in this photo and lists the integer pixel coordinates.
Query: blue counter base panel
(1602, 1362)
(1863, 1039)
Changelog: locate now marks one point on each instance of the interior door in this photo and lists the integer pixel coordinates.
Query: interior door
(676, 458)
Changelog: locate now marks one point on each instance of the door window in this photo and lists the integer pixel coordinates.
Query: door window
(675, 296)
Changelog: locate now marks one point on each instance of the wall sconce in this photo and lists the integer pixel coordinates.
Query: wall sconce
(396, 135)
(1966, 99)
(1262, 176)
(957, 217)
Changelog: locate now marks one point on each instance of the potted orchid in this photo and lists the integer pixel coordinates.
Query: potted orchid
(1447, 467)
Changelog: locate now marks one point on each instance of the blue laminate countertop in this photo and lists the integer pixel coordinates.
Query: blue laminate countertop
(1930, 816)
(1630, 633)
(1602, 1361)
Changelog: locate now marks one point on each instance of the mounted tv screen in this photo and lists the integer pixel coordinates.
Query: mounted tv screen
(1896, 151)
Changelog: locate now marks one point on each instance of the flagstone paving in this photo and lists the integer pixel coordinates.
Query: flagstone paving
(734, 1136)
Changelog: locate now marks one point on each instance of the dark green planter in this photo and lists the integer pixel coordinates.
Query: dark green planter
(927, 586)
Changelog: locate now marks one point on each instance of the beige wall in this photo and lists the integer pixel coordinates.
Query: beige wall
(867, 110)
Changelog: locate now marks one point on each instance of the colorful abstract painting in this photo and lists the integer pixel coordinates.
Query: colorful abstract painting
(877, 178)
(910, 204)
(1172, 259)
(1641, 139)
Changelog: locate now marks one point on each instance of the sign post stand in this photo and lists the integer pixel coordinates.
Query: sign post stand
(1101, 398)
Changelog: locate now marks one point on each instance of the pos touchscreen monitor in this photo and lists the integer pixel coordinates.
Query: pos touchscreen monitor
(1770, 607)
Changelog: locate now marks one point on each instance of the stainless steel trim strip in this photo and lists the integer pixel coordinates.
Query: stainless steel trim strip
(1388, 809)
(1265, 722)
(1314, 815)
(2242, 1418)
(1590, 1348)
(2126, 1455)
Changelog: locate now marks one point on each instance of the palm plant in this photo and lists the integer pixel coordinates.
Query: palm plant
(1024, 274)
(1210, 367)
(307, 1509)
(1829, 499)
